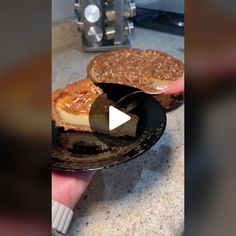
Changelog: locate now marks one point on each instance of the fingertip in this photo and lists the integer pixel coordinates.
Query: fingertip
(175, 87)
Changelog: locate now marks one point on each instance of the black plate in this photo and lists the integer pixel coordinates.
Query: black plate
(85, 155)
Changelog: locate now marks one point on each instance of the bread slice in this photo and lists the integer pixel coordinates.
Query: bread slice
(71, 109)
(143, 69)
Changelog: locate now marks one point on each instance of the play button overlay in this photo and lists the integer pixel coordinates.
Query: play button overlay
(111, 139)
(117, 118)
(112, 124)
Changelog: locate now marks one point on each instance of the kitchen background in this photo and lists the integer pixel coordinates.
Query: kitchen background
(144, 196)
(62, 10)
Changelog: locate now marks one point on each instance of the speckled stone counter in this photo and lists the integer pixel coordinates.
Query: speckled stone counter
(144, 196)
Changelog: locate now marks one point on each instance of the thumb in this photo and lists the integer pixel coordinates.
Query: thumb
(174, 87)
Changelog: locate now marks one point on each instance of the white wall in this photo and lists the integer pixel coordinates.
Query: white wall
(62, 10)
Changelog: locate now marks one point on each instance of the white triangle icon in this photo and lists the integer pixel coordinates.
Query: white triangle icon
(117, 118)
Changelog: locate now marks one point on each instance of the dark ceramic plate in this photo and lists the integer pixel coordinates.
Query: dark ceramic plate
(92, 152)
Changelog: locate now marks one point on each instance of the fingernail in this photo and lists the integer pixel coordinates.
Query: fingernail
(162, 87)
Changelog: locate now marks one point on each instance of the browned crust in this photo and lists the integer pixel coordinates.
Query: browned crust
(79, 85)
(166, 72)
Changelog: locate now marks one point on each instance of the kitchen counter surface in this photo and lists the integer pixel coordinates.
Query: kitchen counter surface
(144, 196)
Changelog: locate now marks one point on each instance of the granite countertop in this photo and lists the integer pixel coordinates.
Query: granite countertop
(146, 195)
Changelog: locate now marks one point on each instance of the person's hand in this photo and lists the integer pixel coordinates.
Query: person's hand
(67, 188)
(174, 87)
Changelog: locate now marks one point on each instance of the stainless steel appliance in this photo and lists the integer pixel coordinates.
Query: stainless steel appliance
(162, 15)
(105, 24)
(174, 6)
